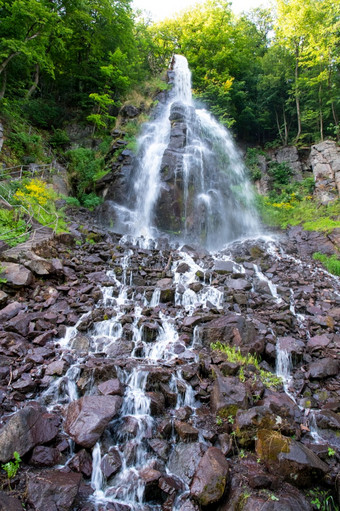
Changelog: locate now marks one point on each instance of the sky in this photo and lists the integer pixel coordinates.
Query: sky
(161, 9)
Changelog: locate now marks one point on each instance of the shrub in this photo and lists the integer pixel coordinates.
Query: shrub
(84, 167)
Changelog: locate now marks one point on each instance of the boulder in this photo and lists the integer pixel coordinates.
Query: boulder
(87, 417)
(228, 395)
(186, 432)
(44, 456)
(11, 310)
(82, 462)
(290, 459)
(16, 275)
(210, 478)
(111, 388)
(184, 460)
(323, 368)
(28, 427)
(52, 490)
(111, 463)
(230, 329)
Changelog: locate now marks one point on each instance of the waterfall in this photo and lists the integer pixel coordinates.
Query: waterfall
(188, 179)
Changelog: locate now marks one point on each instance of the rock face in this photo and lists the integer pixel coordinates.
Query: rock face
(53, 490)
(210, 478)
(27, 428)
(325, 162)
(87, 418)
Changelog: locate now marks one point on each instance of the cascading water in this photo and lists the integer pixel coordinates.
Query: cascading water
(189, 180)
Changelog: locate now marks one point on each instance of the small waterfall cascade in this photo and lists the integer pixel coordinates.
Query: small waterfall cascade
(149, 337)
(188, 179)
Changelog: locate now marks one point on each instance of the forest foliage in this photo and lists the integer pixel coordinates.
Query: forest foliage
(272, 75)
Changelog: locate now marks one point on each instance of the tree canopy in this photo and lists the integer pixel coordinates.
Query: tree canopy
(271, 75)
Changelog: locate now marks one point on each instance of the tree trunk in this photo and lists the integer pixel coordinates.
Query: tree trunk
(297, 93)
(4, 64)
(278, 127)
(35, 82)
(286, 127)
(320, 112)
(4, 83)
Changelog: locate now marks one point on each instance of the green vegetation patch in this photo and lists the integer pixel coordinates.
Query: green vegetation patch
(331, 263)
(250, 361)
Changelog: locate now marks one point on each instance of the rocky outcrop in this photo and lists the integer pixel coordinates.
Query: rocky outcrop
(325, 162)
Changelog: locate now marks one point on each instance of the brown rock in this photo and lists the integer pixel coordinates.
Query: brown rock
(111, 388)
(52, 490)
(324, 368)
(28, 427)
(44, 456)
(288, 458)
(87, 417)
(228, 395)
(210, 478)
(186, 432)
(16, 275)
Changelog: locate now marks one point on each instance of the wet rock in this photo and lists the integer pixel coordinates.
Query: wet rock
(210, 478)
(184, 460)
(82, 462)
(224, 267)
(292, 346)
(160, 447)
(157, 403)
(16, 275)
(52, 490)
(152, 492)
(225, 443)
(87, 418)
(167, 290)
(170, 484)
(44, 456)
(8, 503)
(56, 368)
(326, 419)
(291, 459)
(227, 396)
(182, 268)
(186, 432)
(28, 427)
(150, 331)
(111, 463)
(324, 368)
(80, 343)
(111, 388)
